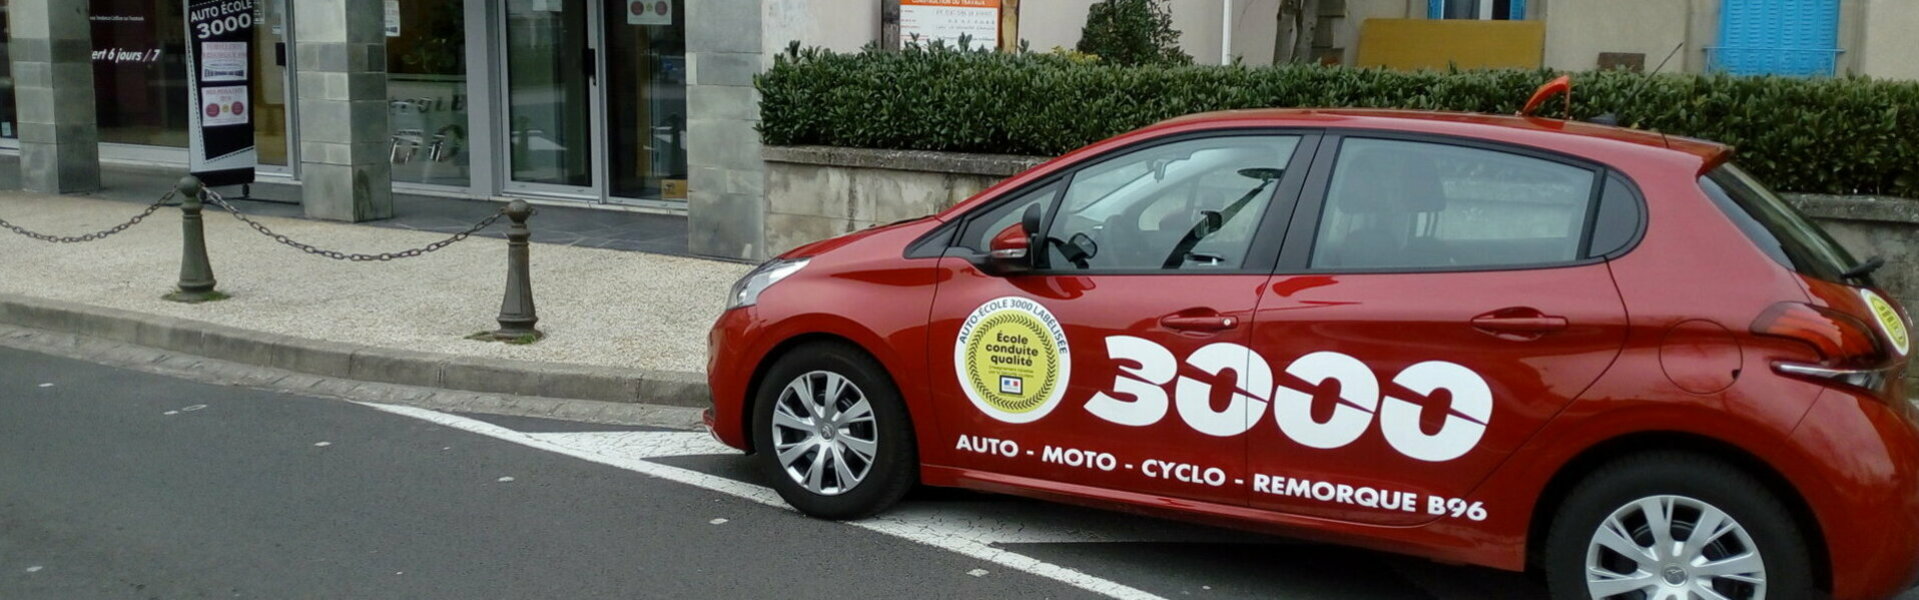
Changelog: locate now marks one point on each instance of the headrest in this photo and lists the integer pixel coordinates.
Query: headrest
(1386, 177)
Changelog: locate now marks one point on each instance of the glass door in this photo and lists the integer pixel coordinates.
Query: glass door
(272, 86)
(552, 81)
(645, 43)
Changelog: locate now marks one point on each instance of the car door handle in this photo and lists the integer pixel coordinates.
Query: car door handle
(1199, 323)
(1519, 320)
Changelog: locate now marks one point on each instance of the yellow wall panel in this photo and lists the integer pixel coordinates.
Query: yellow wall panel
(1408, 44)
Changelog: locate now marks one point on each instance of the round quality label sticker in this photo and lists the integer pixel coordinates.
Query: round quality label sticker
(1012, 359)
(1889, 320)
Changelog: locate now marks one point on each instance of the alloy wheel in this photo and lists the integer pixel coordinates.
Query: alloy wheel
(824, 433)
(1673, 548)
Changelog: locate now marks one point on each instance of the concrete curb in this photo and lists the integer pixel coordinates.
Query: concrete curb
(358, 362)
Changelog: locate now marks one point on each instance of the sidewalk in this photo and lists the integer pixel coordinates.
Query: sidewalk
(592, 228)
(615, 320)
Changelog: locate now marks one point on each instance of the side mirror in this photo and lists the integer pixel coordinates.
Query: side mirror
(1011, 250)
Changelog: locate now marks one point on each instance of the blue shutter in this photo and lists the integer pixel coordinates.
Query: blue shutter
(1518, 10)
(1435, 9)
(1777, 37)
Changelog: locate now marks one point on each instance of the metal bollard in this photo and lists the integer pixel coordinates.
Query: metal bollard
(516, 309)
(196, 272)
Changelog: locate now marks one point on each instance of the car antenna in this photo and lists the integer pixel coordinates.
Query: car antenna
(1613, 118)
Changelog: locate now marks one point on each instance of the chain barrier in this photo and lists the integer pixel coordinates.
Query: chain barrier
(95, 236)
(214, 198)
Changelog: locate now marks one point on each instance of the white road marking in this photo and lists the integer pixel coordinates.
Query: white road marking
(506, 480)
(171, 413)
(322, 444)
(973, 536)
(977, 572)
(34, 569)
(193, 408)
(717, 521)
(46, 385)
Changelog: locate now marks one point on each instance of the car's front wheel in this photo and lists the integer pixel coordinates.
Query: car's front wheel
(832, 433)
(1679, 526)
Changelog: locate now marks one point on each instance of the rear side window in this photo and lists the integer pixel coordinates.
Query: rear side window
(1396, 204)
(1616, 222)
(1774, 226)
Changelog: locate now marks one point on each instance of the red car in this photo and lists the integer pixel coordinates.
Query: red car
(1607, 354)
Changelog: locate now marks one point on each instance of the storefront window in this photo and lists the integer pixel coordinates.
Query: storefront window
(139, 71)
(426, 88)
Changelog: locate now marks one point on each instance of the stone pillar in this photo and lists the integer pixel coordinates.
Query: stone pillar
(341, 54)
(52, 52)
(726, 199)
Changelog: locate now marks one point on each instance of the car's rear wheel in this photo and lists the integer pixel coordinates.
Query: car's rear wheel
(832, 434)
(1675, 526)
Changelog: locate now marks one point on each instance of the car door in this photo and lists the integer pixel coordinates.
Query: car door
(1437, 301)
(1118, 361)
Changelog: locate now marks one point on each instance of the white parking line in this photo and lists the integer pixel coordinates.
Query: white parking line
(964, 534)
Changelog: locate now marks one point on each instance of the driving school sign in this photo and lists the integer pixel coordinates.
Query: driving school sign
(220, 148)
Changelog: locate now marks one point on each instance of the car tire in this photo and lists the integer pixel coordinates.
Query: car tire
(862, 465)
(1684, 490)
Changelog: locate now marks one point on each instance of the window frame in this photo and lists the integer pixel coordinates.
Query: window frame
(1303, 230)
(1515, 9)
(1262, 255)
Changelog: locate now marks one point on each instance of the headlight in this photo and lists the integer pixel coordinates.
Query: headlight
(746, 291)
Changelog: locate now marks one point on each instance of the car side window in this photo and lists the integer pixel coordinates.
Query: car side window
(981, 228)
(1396, 204)
(1192, 205)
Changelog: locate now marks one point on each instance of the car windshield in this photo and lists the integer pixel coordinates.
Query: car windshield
(1776, 227)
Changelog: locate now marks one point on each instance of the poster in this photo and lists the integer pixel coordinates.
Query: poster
(649, 12)
(223, 106)
(223, 61)
(393, 18)
(924, 21)
(220, 148)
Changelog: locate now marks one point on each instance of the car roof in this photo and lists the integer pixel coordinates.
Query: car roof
(1479, 125)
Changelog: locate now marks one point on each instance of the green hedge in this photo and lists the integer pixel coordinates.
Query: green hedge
(1848, 135)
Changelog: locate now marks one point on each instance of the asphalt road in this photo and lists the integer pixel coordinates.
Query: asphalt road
(120, 484)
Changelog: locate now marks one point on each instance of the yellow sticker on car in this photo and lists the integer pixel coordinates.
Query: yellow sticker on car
(1889, 320)
(1012, 359)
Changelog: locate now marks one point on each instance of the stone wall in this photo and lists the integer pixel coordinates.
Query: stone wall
(817, 192)
(723, 201)
(1873, 226)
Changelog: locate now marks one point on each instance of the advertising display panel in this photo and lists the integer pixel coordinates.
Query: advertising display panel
(220, 146)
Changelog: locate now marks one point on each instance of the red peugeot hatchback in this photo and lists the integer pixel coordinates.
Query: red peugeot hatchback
(1607, 354)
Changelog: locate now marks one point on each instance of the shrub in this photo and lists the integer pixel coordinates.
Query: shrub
(1827, 135)
(1131, 33)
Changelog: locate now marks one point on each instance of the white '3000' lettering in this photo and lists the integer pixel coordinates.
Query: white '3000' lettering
(1359, 391)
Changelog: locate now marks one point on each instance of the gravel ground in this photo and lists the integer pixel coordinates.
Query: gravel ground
(599, 307)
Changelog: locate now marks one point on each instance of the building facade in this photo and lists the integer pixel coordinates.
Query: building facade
(554, 99)
(649, 104)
